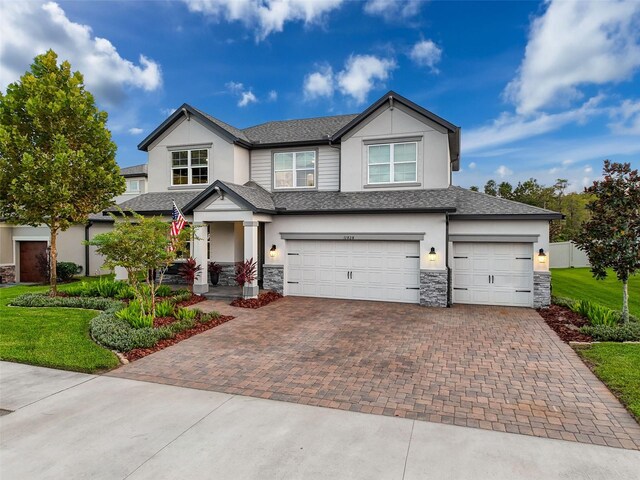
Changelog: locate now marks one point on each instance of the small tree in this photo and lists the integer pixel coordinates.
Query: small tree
(139, 245)
(57, 160)
(611, 238)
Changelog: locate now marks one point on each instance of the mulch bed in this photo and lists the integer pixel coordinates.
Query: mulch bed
(262, 300)
(192, 301)
(138, 353)
(565, 323)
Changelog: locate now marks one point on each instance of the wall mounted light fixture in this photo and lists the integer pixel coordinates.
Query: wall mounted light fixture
(432, 254)
(542, 257)
(273, 251)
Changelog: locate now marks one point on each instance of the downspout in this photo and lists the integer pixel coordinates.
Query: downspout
(446, 263)
(86, 248)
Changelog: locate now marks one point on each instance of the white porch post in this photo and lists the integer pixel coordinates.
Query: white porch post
(121, 273)
(251, 251)
(201, 284)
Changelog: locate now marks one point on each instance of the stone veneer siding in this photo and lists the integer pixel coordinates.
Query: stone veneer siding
(434, 288)
(541, 289)
(227, 275)
(273, 278)
(7, 274)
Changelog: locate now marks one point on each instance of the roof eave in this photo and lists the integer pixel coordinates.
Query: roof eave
(365, 211)
(507, 216)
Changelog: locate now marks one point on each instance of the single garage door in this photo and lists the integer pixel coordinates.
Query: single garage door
(493, 273)
(363, 270)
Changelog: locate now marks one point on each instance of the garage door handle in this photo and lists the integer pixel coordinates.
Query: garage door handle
(523, 291)
(293, 282)
(460, 257)
(523, 258)
(460, 288)
(412, 256)
(293, 254)
(413, 288)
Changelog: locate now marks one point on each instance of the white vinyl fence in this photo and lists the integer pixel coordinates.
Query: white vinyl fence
(566, 254)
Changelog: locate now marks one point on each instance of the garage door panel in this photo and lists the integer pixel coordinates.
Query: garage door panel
(493, 273)
(380, 270)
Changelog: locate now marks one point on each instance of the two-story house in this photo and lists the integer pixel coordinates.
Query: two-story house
(350, 206)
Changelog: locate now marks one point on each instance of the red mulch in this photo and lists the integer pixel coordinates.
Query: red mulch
(163, 321)
(262, 300)
(162, 344)
(565, 323)
(192, 301)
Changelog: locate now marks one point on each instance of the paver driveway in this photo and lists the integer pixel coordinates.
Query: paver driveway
(488, 367)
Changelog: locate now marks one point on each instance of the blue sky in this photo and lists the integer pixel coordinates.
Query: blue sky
(542, 89)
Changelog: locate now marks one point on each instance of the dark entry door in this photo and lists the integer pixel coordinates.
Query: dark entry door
(29, 252)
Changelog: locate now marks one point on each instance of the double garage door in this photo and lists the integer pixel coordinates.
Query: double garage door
(493, 273)
(362, 270)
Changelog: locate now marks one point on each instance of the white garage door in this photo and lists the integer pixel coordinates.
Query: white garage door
(363, 270)
(493, 273)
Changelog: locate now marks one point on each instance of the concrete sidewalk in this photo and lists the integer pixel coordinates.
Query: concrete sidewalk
(68, 425)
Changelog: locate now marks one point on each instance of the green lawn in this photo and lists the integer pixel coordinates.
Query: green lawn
(618, 366)
(577, 283)
(49, 337)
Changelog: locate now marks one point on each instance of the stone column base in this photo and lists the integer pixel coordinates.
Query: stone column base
(200, 288)
(541, 289)
(250, 291)
(434, 288)
(273, 278)
(7, 274)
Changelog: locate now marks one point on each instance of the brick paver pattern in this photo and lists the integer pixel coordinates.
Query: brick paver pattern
(487, 367)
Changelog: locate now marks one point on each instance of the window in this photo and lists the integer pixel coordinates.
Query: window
(393, 163)
(294, 169)
(133, 186)
(190, 167)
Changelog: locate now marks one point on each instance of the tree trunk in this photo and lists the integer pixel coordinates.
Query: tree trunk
(625, 301)
(53, 260)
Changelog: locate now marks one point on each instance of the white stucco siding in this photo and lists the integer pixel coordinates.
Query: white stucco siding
(6, 244)
(241, 161)
(327, 172)
(188, 134)
(507, 227)
(129, 195)
(432, 225)
(433, 163)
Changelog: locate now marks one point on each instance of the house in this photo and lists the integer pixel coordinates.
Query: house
(21, 245)
(350, 206)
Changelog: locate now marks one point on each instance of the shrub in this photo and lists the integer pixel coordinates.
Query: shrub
(189, 271)
(163, 291)
(118, 334)
(164, 309)
(245, 272)
(563, 302)
(126, 293)
(626, 332)
(39, 300)
(66, 270)
(133, 314)
(207, 317)
(108, 288)
(186, 313)
(214, 268)
(181, 297)
(596, 314)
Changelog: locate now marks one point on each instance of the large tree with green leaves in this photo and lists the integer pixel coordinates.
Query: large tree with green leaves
(611, 238)
(57, 160)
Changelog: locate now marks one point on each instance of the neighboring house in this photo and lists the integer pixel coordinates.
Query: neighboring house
(21, 245)
(350, 206)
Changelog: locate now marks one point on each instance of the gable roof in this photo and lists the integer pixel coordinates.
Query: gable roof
(134, 171)
(303, 131)
(155, 203)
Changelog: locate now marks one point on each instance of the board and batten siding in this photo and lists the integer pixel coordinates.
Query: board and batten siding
(328, 167)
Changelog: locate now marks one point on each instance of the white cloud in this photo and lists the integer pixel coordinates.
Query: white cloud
(588, 169)
(509, 127)
(235, 87)
(472, 165)
(135, 131)
(503, 171)
(265, 16)
(319, 84)
(167, 111)
(626, 118)
(362, 73)
(573, 44)
(426, 54)
(29, 29)
(272, 96)
(392, 9)
(247, 98)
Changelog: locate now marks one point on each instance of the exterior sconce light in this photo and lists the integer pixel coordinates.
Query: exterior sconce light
(542, 257)
(432, 254)
(273, 251)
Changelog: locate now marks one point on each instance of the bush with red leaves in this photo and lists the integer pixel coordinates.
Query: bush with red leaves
(262, 300)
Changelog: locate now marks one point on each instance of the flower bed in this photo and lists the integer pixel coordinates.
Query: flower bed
(565, 323)
(262, 300)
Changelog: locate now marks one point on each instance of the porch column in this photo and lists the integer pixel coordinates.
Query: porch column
(251, 251)
(201, 284)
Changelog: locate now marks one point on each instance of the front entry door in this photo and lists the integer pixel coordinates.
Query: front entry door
(29, 251)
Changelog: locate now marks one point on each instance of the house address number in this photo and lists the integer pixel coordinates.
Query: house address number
(349, 237)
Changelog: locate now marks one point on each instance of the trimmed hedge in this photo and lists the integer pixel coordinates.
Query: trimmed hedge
(88, 303)
(626, 332)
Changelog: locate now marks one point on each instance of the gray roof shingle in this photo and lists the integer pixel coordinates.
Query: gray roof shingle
(252, 193)
(469, 202)
(134, 171)
(302, 130)
(157, 202)
(225, 126)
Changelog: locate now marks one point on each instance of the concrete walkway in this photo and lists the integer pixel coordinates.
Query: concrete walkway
(68, 425)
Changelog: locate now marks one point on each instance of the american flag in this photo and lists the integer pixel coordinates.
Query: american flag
(177, 221)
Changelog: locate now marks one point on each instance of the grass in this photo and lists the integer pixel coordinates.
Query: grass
(618, 366)
(49, 337)
(579, 284)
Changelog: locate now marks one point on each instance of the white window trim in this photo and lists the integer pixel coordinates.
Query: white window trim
(189, 167)
(295, 169)
(392, 163)
(129, 182)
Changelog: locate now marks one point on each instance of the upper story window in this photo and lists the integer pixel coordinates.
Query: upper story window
(189, 167)
(294, 169)
(133, 186)
(393, 163)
